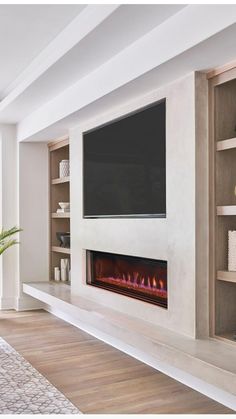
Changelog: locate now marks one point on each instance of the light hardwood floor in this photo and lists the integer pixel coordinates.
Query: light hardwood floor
(96, 377)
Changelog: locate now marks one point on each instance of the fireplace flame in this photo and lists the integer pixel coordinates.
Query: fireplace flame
(161, 284)
(148, 282)
(136, 280)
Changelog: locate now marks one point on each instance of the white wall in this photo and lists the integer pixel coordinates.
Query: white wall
(24, 203)
(33, 217)
(172, 239)
(8, 213)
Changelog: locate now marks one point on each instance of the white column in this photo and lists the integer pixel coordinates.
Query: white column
(9, 266)
(33, 203)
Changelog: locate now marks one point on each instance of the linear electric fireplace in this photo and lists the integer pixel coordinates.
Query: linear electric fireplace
(140, 278)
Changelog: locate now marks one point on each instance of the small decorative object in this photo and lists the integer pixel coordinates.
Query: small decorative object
(59, 235)
(65, 269)
(63, 238)
(63, 275)
(63, 211)
(64, 168)
(57, 275)
(65, 264)
(65, 207)
(232, 250)
(66, 240)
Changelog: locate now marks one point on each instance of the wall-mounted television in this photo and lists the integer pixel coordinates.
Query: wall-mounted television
(124, 166)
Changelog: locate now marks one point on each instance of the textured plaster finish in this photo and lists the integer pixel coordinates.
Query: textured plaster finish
(171, 239)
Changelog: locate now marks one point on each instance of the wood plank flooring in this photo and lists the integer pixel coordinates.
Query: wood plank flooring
(96, 377)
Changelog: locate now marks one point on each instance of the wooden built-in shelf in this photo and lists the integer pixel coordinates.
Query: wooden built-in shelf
(226, 210)
(61, 215)
(227, 336)
(59, 249)
(59, 191)
(60, 180)
(226, 144)
(228, 276)
(222, 177)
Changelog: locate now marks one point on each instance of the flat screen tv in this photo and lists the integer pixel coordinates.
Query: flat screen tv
(124, 166)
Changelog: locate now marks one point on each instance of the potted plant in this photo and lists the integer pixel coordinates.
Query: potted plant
(6, 239)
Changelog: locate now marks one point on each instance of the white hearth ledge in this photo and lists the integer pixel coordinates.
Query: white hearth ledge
(208, 366)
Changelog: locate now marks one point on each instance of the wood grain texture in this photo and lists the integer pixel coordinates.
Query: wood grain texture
(59, 191)
(60, 180)
(220, 70)
(61, 215)
(222, 111)
(58, 249)
(58, 143)
(226, 276)
(226, 144)
(93, 375)
(226, 210)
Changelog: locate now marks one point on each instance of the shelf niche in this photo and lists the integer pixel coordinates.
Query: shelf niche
(228, 276)
(59, 189)
(223, 137)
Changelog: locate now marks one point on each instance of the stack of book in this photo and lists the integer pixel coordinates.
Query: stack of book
(63, 210)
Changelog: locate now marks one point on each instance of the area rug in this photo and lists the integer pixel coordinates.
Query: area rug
(23, 390)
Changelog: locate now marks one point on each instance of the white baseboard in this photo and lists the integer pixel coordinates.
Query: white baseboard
(27, 303)
(7, 303)
(221, 396)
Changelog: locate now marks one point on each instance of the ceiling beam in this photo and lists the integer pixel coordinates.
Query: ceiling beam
(191, 26)
(86, 21)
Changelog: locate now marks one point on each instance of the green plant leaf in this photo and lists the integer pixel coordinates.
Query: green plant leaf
(5, 238)
(6, 245)
(7, 233)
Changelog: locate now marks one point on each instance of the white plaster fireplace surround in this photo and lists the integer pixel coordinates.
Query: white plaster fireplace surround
(172, 238)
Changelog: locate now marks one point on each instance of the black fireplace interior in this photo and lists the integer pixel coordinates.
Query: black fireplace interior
(141, 278)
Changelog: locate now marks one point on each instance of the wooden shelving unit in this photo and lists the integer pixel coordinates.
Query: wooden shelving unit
(60, 180)
(55, 215)
(226, 210)
(226, 144)
(227, 276)
(59, 191)
(59, 249)
(228, 337)
(222, 100)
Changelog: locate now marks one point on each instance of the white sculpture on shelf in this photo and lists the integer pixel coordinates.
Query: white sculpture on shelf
(232, 250)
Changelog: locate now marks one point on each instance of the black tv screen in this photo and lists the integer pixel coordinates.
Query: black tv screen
(125, 166)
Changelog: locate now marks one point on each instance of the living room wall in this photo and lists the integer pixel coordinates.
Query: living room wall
(172, 239)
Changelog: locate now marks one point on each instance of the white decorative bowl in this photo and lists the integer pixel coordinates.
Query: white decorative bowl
(64, 205)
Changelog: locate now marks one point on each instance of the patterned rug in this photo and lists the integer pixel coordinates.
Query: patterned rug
(24, 390)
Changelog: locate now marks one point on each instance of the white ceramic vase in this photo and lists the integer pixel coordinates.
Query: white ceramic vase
(65, 267)
(232, 250)
(64, 168)
(57, 275)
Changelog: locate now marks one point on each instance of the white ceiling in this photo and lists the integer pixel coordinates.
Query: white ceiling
(60, 63)
(25, 30)
(123, 27)
(202, 57)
